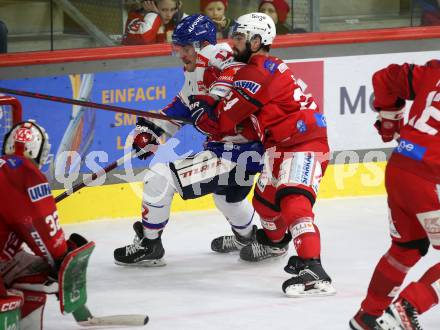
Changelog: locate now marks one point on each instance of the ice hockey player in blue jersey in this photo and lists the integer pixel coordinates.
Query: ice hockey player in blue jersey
(219, 169)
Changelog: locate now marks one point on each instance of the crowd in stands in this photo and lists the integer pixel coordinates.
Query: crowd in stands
(153, 21)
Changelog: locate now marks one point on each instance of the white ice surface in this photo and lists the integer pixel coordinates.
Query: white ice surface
(199, 289)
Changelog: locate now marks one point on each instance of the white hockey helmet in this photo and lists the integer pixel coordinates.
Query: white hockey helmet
(256, 24)
(28, 139)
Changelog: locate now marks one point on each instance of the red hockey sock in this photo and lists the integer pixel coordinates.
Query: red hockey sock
(271, 221)
(274, 229)
(424, 293)
(296, 212)
(388, 277)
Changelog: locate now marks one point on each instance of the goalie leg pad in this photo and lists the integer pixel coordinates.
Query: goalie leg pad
(10, 309)
(72, 278)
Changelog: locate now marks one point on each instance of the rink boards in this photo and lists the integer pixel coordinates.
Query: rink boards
(336, 70)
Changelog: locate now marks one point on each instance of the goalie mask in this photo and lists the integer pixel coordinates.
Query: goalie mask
(29, 140)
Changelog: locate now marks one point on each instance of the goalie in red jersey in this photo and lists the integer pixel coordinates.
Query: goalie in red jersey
(293, 132)
(412, 180)
(28, 215)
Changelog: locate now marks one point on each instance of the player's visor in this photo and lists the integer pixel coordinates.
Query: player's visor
(182, 51)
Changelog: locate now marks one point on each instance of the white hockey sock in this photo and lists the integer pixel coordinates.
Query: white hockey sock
(156, 200)
(240, 215)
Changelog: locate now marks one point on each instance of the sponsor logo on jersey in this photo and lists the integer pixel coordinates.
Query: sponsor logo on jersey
(283, 67)
(39, 192)
(320, 120)
(270, 66)
(301, 126)
(411, 150)
(251, 86)
(40, 243)
(14, 162)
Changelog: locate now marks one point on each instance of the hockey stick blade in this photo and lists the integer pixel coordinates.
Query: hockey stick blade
(84, 318)
(133, 320)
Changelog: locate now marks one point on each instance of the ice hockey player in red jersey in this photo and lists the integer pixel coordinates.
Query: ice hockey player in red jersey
(293, 132)
(209, 69)
(412, 180)
(27, 215)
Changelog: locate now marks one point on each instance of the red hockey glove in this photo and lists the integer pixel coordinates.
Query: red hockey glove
(390, 120)
(389, 123)
(203, 114)
(145, 138)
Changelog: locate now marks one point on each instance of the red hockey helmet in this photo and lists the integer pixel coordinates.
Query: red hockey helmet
(27, 139)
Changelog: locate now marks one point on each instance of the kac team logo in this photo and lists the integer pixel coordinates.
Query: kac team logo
(39, 192)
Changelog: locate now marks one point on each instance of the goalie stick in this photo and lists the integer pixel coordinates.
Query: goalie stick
(84, 318)
(107, 107)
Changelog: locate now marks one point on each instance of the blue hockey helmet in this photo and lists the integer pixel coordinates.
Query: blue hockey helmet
(193, 30)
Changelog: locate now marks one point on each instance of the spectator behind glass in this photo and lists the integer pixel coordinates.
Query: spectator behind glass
(431, 12)
(3, 38)
(278, 11)
(153, 22)
(215, 10)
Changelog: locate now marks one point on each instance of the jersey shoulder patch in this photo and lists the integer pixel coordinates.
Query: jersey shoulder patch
(13, 162)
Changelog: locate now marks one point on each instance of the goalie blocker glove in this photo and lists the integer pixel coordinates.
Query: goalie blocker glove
(146, 138)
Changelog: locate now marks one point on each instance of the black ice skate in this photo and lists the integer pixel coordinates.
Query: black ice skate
(364, 321)
(143, 252)
(263, 248)
(231, 243)
(309, 279)
(401, 315)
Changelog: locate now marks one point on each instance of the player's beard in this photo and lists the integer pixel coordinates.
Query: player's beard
(244, 55)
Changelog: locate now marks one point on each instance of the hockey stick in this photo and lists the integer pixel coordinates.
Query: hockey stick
(84, 318)
(112, 108)
(98, 174)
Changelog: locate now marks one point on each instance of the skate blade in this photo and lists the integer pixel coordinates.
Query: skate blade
(319, 290)
(143, 263)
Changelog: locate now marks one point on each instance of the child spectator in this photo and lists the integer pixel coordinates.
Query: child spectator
(215, 10)
(153, 22)
(278, 11)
